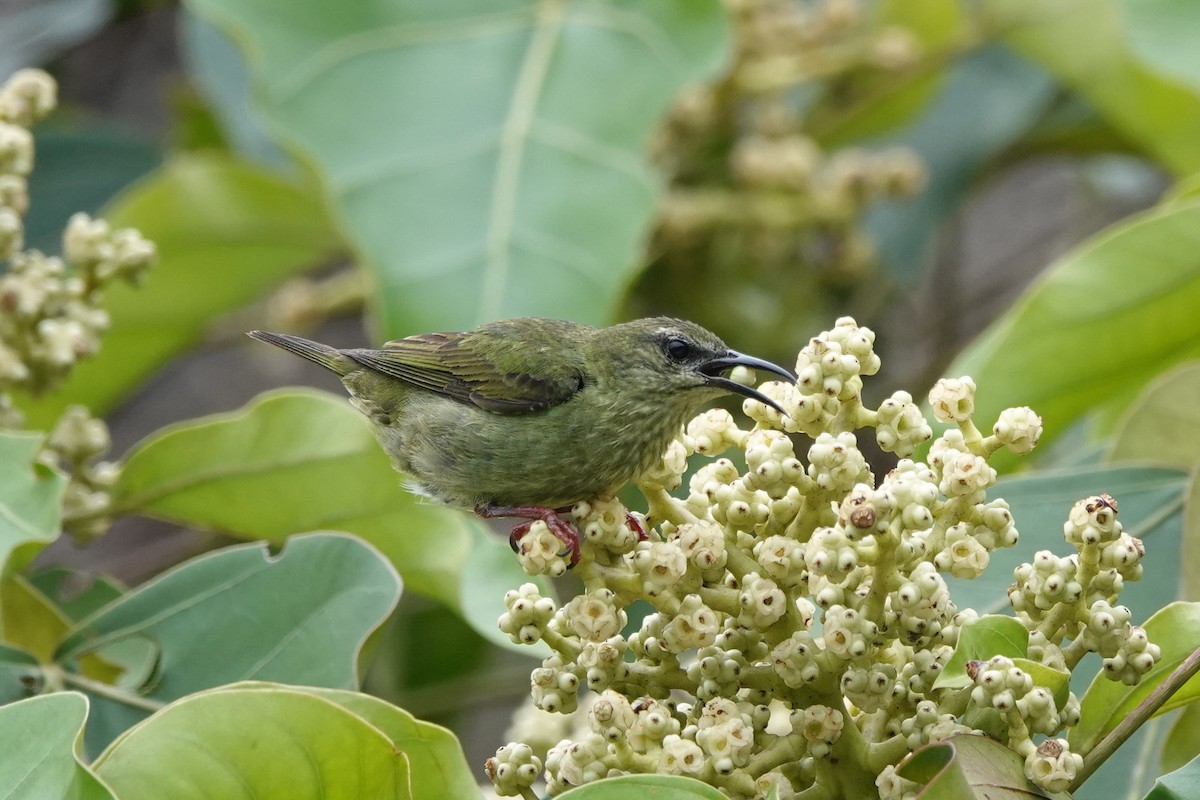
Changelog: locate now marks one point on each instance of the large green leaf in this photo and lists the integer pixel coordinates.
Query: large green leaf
(1176, 630)
(255, 743)
(486, 158)
(39, 750)
(299, 460)
(439, 768)
(1097, 325)
(242, 613)
(1163, 35)
(1083, 43)
(1162, 426)
(19, 674)
(30, 499)
(226, 233)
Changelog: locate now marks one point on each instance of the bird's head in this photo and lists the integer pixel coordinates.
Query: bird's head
(675, 360)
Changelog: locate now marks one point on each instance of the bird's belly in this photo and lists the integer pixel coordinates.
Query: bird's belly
(468, 457)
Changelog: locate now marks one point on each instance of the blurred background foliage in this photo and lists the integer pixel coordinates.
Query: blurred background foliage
(1005, 188)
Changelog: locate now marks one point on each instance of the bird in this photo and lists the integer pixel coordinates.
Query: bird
(523, 418)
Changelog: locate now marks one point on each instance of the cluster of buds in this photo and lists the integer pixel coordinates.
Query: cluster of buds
(753, 187)
(801, 617)
(50, 307)
(50, 315)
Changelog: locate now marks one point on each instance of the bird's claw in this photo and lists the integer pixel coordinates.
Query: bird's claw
(557, 525)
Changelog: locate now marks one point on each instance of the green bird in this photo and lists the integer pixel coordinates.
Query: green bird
(524, 417)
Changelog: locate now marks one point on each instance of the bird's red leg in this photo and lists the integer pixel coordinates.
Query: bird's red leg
(557, 525)
(635, 525)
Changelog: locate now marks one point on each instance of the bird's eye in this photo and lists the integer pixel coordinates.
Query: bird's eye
(677, 350)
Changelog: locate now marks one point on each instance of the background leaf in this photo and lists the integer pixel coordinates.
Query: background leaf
(255, 743)
(240, 613)
(1150, 430)
(990, 635)
(295, 461)
(30, 498)
(1083, 43)
(1182, 784)
(31, 33)
(40, 738)
(226, 233)
(1127, 325)
(471, 149)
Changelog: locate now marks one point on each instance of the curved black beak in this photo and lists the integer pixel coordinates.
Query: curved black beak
(713, 368)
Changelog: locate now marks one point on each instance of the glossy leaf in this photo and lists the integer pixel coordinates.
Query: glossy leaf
(1091, 331)
(471, 149)
(297, 460)
(30, 500)
(255, 743)
(651, 787)
(40, 742)
(1176, 630)
(967, 766)
(991, 635)
(1160, 426)
(439, 767)
(226, 233)
(1084, 45)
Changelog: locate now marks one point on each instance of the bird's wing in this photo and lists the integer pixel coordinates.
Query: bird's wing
(455, 365)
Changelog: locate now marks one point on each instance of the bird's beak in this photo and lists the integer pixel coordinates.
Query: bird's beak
(713, 368)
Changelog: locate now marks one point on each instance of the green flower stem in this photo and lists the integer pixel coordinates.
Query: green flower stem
(889, 751)
(1146, 709)
(560, 644)
(662, 506)
(721, 598)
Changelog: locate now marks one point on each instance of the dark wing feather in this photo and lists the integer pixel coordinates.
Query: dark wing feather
(455, 365)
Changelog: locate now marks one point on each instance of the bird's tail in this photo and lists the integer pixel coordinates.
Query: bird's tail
(328, 357)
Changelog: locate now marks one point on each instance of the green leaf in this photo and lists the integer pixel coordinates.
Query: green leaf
(1190, 546)
(33, 33)
(79, 169)
(989, 636)
(30, 500)
(255, 743)
(1084, 45)
(439, 767)
(650, 787)
(968, 766)
(1182, 784)
(242, 613)
(1183, 742)
(20, 674)
(40, 741)
(1176, 630)
(487, 160)
(294, 461)
(226, 233)
(1121, 326)
(1158, 427)
(1163, 34)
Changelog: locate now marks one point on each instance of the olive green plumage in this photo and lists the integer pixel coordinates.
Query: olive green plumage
(532, 412)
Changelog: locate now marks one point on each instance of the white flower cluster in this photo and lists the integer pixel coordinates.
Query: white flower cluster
(50, 312)
(800, 614)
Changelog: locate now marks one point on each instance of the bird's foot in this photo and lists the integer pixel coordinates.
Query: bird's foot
(557, 525)
(635, 525)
